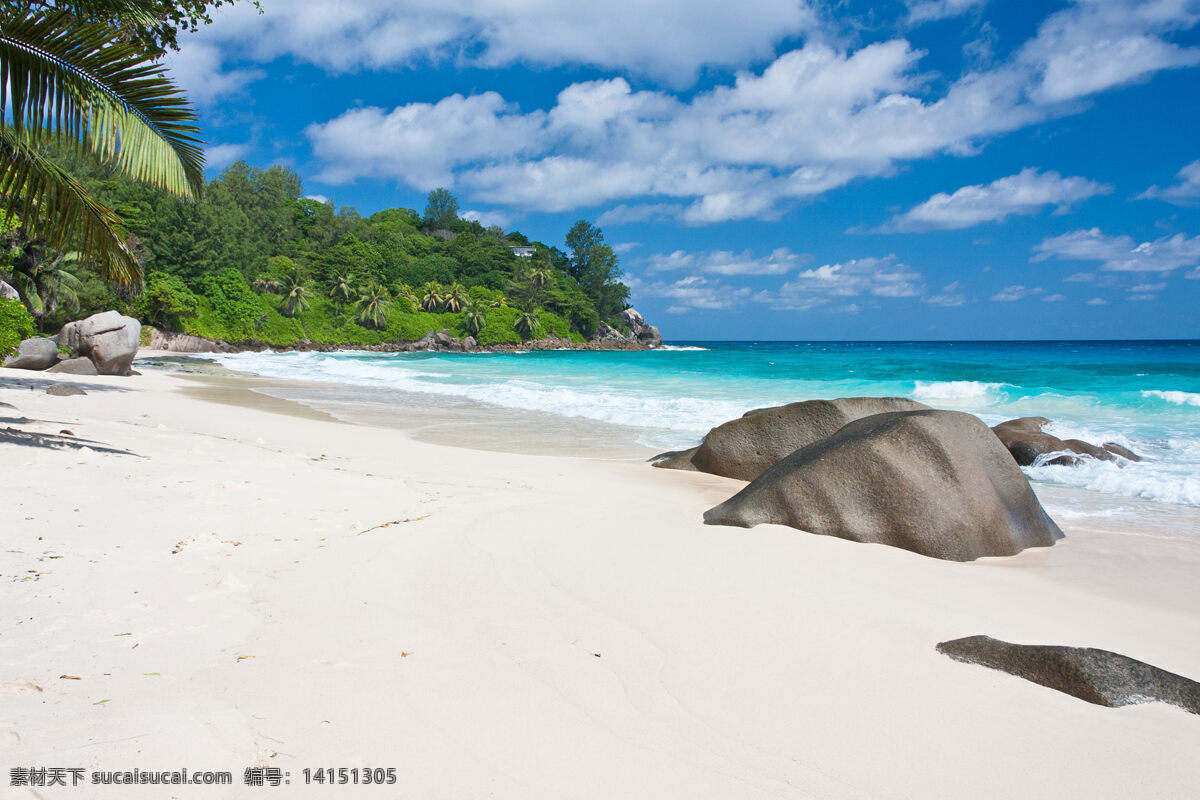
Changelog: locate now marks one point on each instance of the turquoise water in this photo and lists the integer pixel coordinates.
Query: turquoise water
(1144, 395)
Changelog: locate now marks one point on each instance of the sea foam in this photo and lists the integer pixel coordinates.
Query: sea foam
(1178, 398)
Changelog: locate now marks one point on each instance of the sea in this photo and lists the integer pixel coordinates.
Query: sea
(1144, 395)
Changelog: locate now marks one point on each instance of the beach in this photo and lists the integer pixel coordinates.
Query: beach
(254, 583)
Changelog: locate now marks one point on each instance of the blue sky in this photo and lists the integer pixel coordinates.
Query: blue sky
(767, 169)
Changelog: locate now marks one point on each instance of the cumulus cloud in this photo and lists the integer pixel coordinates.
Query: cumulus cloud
(197, 69)
(928, 10)
(725, 262)
(1184, 192)
(1121, 253)
(219, 156)
(662, 39)
(487, 218)
(1025, 193)
(833, 283)
(1010, 294)
(1097, 301)
(814, 119)
(692, 293)
(951, 295)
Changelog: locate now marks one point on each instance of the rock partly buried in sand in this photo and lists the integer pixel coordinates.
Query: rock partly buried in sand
(1097, 676)
(64, 390)
(109, 339)
(75, 366)
(747, 447)
(35, 353)
(938, 483)
(1028, 443)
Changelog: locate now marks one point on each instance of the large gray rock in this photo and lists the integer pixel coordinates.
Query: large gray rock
(75, 366)
(1097, 676)
(649, 336)
(747, 447)
(174, 342)
(938, 483)
(109, 339)
(1029, 444)
(35, 353)
(8, 293)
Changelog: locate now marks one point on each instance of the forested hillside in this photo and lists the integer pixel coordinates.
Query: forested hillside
(256, 261)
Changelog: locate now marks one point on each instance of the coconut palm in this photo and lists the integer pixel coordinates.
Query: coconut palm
(265, 285)
(432, 297)
(454, 298)
(43, 282)
(68, 79)
(474, 318)
(527, 325)
(539, 275)
(295, 295)
(341, 291)
(372, 306)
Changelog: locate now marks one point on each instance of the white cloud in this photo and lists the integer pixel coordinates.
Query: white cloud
(928, 10)
(814, 119)
(951, 295)
(487, 218)
(695, 292)
(1144, 288)
(1011, 294)
(1054, 298)
(1026, 193)
(1142, 297)
(1121, 253)
(662, 39)
(1097, 301)
(875, 277)
(725, 262)
(1184, 192)
(219, 156)
(1098, 44)
(320, 198)
(196, 68)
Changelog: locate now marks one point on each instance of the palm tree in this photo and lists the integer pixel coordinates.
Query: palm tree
(44, 283)
(372, 307)
(431, 296)
(474, 318)
(539, 275)
(295, 295)
(341, 291)
(68, 79)
(454, 298)
(527, 325)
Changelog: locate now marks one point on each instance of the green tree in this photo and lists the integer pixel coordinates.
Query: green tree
(441, 209)
(594, 266)
(15, 325)
(295, 295)
(432, 297)
(372, 307)
(454, 298)
(474, 318)
(527, 325)
(166, 301)
(341, 292)
(71, 75)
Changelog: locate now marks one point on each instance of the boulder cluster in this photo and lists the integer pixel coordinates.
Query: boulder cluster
(102, 344)
(639, 332)
(882, 470)
(1031, 446)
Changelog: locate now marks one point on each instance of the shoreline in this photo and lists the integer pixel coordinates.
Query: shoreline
(300, 592)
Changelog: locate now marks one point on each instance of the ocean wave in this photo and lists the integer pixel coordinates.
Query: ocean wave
(1175, 397)
(690, 416)
(958, 392)
(1150, 481)
(679, 348)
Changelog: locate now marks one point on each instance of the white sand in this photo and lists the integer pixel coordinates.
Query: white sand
(539, 627)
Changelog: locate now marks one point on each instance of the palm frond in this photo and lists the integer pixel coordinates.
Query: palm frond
(79, 81)
(57, 208)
